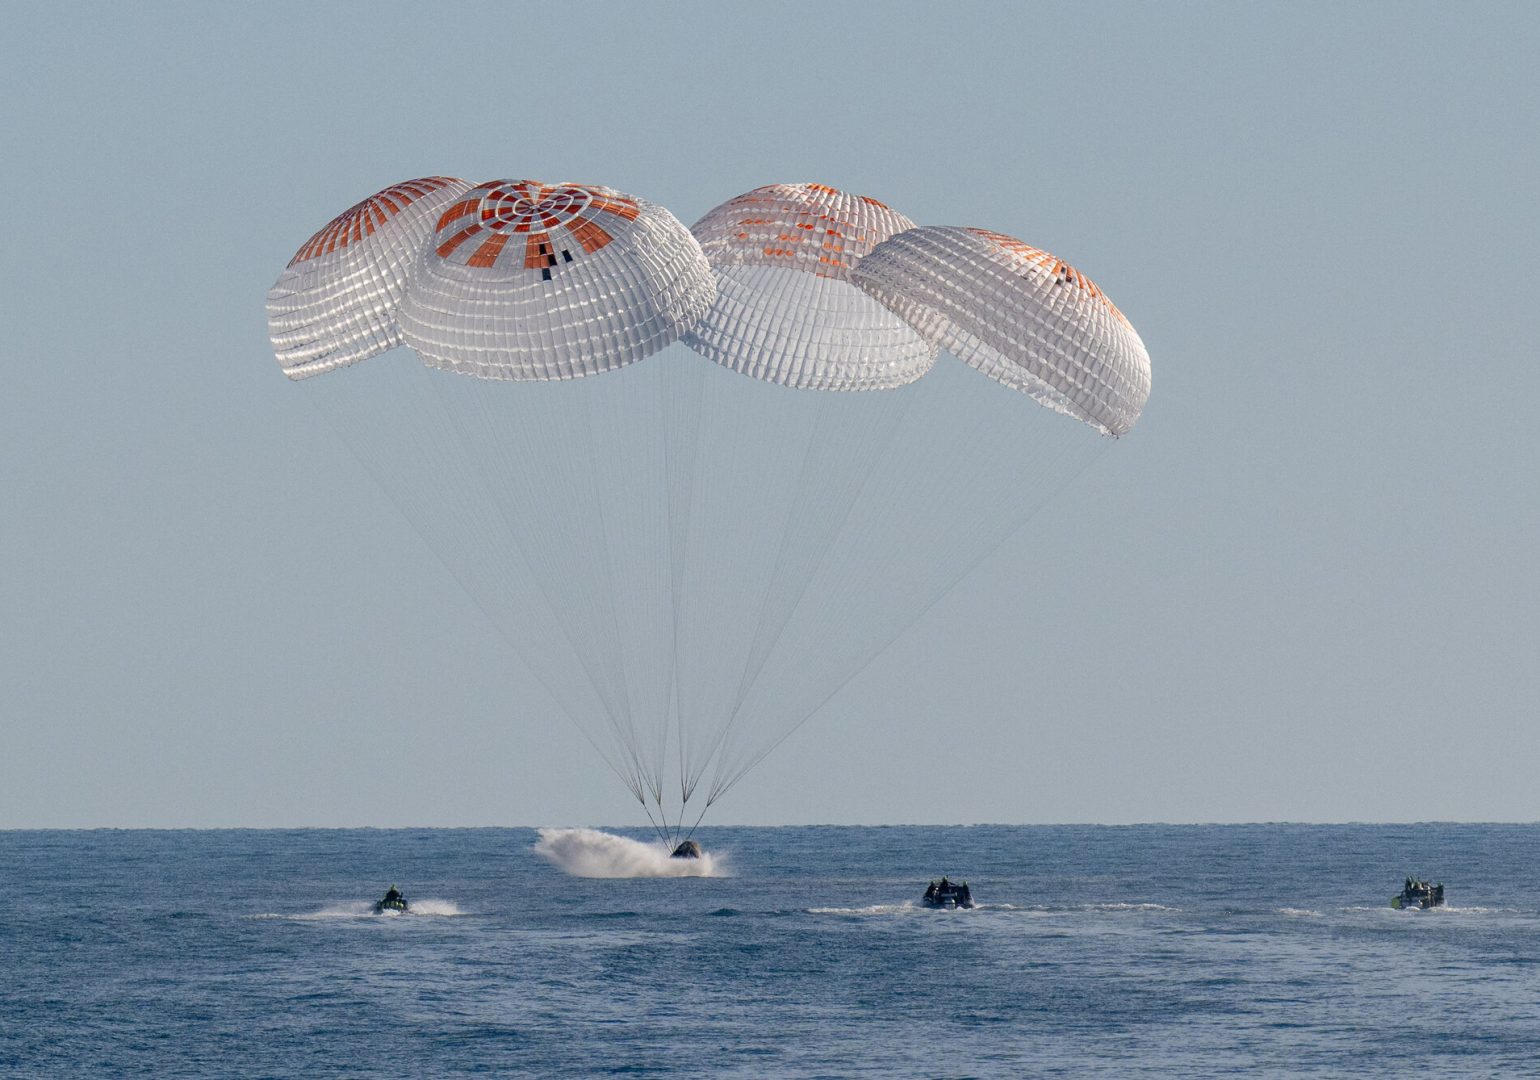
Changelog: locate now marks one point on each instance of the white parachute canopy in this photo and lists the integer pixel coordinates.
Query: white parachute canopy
(785, 310)
(335, 303)
(532, 281)
(690, 560)
(1019, 315)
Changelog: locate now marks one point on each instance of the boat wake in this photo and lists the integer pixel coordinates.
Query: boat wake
(914, 907)
(1124, 906)
(364, 909)
(591, 853)
(904, 908)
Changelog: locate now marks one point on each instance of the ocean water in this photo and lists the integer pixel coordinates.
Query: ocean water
(1097, 951)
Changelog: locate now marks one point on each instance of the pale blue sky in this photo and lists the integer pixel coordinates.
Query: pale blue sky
(1306, 587)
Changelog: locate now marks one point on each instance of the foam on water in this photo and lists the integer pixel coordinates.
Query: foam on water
(591, 853)
(364, 909)
(1038, 911)
(905, 908)
(1117, 905)
(1441, 910)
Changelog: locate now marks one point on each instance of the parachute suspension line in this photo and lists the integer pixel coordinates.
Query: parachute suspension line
(892, 419)
(636, 400)
(750, 669)
(822, 411)
(690, 378)
(665, 720)
(729, 552)
(744, 480)
(726, 780)
(656, 490)
(632, 784)
(1016, 448)
(778, 466)
(679, 825)
(527, 464)
(657, 799)
(495, 425)
(683, 521)
(655, 827)
(869, 425)
(717, 557)
(604, 556)
(607, 548)
(381, 428)
(734, 769)
(698, 818)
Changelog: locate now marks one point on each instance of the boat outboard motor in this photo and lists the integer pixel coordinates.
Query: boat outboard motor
(687, 849)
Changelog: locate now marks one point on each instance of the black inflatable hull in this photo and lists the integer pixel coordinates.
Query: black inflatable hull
(947, 896)
(1416, 902)
(1418, 896)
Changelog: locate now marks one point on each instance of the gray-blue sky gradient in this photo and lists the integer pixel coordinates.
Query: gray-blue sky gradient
(1306, 587)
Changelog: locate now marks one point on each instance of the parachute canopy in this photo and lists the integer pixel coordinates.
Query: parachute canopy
(690, 561)
(532, 281)
(785, 310)
(335, 303)
(1017, 314)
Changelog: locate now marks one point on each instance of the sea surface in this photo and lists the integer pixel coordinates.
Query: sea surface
(1173, 951)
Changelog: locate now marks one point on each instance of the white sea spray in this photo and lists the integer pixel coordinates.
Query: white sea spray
(592, 853)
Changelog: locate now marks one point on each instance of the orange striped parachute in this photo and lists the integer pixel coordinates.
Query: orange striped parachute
(786, 309)
(694, 550)
(336, 301)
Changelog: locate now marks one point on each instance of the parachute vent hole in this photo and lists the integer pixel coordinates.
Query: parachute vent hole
(545, 273)
(566, 255)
